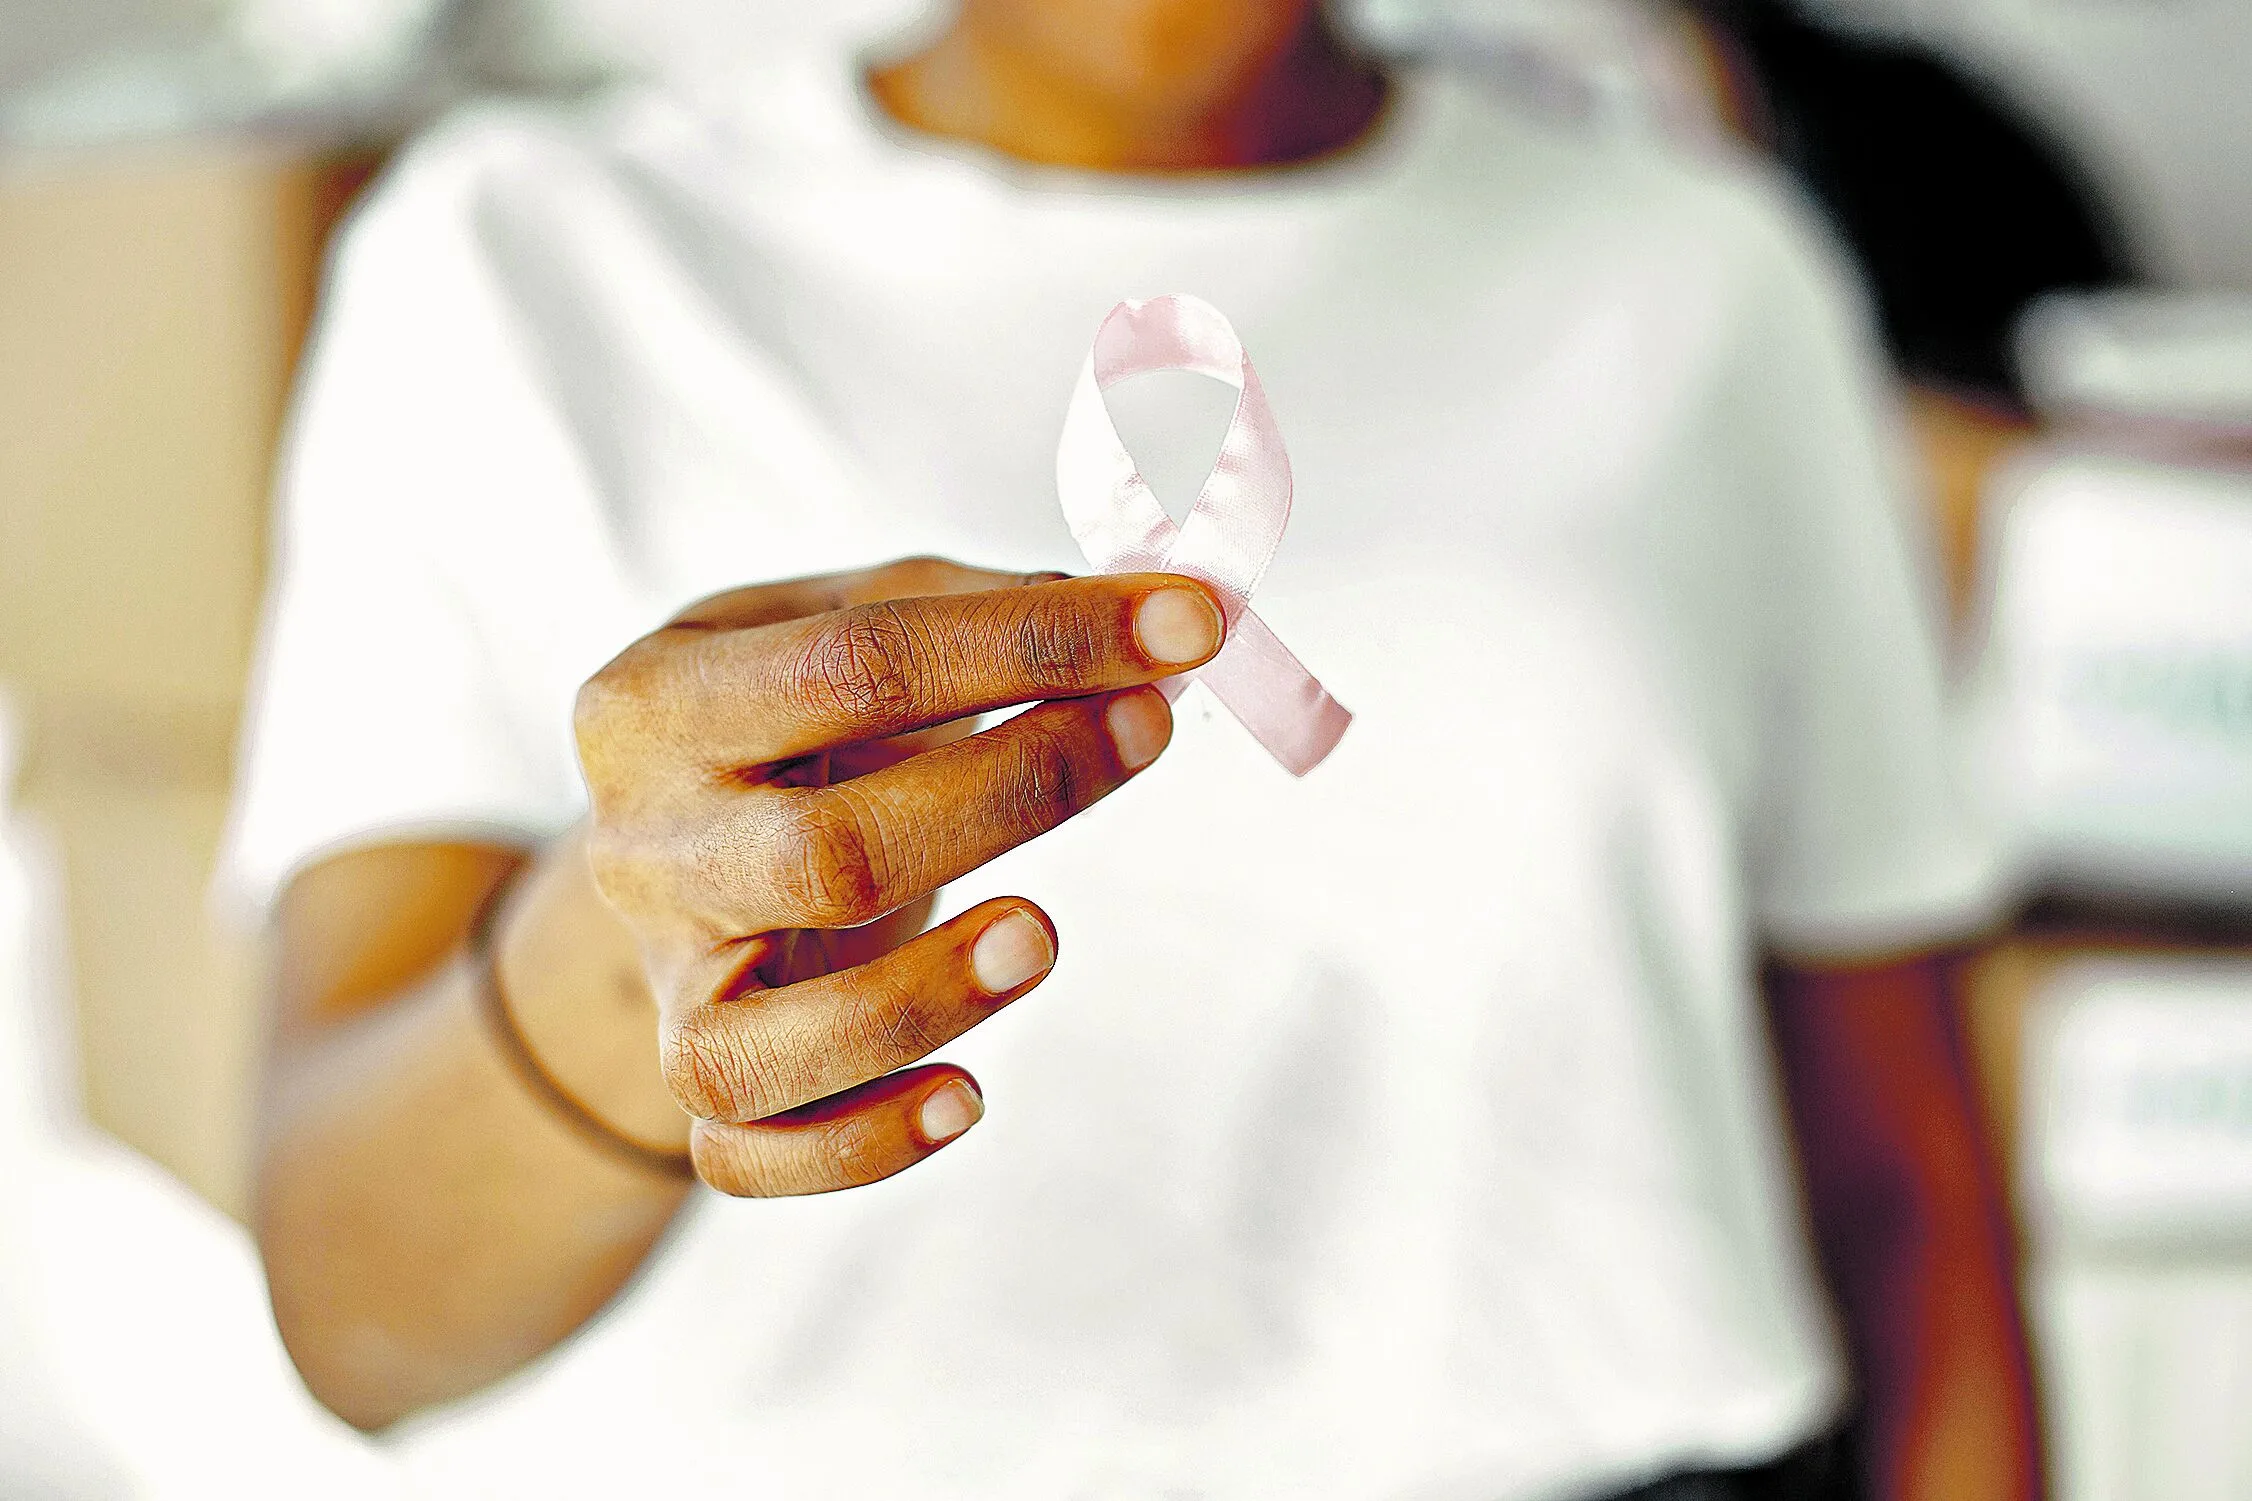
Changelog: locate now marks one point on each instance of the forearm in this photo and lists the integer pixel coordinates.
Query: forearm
(1929, 1314)
(1909, 1222)
(779, 780)
(428, 1222)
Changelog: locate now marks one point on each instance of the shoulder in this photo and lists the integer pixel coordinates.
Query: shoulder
(441, 360)
(497, 182)
(471, 163)
(1708, 212)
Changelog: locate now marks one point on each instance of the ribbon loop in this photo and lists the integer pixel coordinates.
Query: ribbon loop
(1230, 534)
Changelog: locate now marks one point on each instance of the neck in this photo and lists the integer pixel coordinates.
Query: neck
(1311, 99)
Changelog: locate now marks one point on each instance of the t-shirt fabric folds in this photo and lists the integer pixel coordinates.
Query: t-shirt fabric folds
(1406, 1131)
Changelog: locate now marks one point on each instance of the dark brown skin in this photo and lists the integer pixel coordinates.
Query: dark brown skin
(778, 765)
(1908, 1217)
(1139, 85)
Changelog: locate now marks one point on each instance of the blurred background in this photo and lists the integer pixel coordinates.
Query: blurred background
(2049, 201)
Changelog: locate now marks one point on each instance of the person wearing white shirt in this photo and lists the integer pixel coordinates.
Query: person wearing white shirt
(1408, 1130)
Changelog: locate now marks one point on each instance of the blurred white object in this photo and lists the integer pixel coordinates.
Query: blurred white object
(2138, 1165)
(43, 1449)
(1625, 65)
(1626, 61)
(149, 68)
(342, 66)
(382, 65)
(2142, 1128)
(696, 40)
(308, 50)
(2113, 707)
(2128, 356)
(2149, 1376)
(138, 1357)
(38, 36)
(38, 1064)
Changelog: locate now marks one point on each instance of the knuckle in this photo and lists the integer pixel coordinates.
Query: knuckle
(610, 861)
(1046, 785)
(717, 1075)
(853, 1151)
(725, 1161)
(826, 869)
(618, 718)
(1063, 648)
(701, 1077)
(887, 1022)
(598, 713)
(590, 711)
(599, 696)
(765, 1163)
(923, 573)
(863, 667)
(634, 870)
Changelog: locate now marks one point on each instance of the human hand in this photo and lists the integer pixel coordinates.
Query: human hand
(779, 782)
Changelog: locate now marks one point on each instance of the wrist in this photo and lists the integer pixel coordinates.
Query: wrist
(568, 975)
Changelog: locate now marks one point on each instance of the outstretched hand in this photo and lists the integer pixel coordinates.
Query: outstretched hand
(781, 778)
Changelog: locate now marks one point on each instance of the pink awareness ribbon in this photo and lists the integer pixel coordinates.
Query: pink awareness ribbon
(1231, 532)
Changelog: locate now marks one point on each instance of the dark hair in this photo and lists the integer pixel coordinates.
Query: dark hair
(1957, 207)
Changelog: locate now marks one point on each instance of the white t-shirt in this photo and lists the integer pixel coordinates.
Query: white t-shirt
(1403, 1131)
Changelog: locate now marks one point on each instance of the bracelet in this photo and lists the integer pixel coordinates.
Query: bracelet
(492, 999)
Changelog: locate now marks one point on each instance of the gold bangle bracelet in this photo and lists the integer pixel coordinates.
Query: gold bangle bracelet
(492, 999)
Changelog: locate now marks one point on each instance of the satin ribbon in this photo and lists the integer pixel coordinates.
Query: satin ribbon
(1231, 532)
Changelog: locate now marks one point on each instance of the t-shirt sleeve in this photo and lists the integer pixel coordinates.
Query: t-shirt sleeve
(1863, 839)
(377, 709)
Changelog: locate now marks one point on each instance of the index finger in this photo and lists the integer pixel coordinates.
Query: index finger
(819, 594)
(794, 687)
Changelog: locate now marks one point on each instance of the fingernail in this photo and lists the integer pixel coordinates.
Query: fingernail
(1010, 952)
(948, 1111)
(1177, 625)
(1139, 727)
